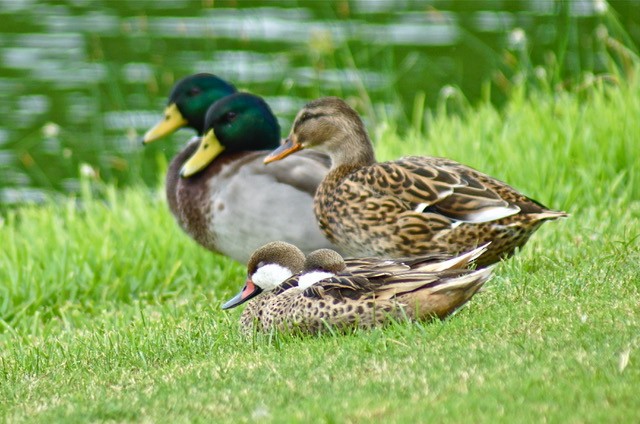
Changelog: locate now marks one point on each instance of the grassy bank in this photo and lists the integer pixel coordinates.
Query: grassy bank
(110, 313)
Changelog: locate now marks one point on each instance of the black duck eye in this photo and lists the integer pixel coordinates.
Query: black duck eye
(194, 91)
(230, 116)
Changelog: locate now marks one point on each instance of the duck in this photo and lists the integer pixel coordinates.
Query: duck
(407, 207)
(288, 292)
(217, 187)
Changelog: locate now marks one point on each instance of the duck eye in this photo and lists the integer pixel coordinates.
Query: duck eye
(194, 91)
(230, 116)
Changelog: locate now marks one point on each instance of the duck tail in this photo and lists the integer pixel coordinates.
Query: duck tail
(548, 215)
(446, 295)
(458, 262)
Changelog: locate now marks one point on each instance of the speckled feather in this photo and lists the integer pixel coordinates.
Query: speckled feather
(372, 210)
(410, 206)
(357, 297)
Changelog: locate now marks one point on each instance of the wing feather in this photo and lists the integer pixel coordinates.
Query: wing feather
(432, 186)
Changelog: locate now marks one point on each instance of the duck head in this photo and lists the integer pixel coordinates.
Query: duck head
(188, 103)
(235, 123)
(330, 126)
(268, 267)
(324, 260)
(320, 264)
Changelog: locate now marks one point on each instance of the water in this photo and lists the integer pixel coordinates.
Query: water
(81, 80)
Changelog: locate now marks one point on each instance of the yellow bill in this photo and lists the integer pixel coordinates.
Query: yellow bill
(208, 149)
(173, 120)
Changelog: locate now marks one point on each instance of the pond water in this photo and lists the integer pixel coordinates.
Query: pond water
(81, 80)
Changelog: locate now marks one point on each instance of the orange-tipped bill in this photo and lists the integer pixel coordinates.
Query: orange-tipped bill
(287, 148)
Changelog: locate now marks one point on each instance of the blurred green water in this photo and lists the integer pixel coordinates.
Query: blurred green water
(81, 80)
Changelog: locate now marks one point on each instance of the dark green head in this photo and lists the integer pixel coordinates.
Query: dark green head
(236, 123)
(194, 95)
(188, 103)
(243, 122)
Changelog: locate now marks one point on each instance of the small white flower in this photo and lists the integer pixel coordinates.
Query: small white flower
(624, 359)
(517, 39)
(51, 129)
(448, 91)
(87, 170)
(601, 32)
(260, 413)
(600, 7)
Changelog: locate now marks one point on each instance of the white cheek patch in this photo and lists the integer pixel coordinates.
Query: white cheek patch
(309, 279)
(270, 276)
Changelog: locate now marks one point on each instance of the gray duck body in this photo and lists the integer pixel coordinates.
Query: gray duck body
(237, 204)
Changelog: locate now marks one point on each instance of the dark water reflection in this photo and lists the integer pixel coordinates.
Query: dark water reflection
(82, 79)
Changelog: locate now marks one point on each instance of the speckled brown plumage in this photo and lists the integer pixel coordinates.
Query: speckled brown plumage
(409, 206)
(419, 289)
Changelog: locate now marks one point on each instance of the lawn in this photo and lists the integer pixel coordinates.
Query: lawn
(109, 313)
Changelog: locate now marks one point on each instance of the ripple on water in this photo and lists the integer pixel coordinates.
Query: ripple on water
(339, 78)
(11, 195)
(70, 75)
(123, 120)
(489, 21)
(7, 157)
(246, 67)
(94, 23)
(243, 25)
(4, 136)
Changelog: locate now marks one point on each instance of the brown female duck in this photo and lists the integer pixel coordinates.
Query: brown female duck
(326, 292)
(410, 206)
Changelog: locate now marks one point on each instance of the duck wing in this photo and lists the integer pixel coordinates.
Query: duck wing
(373, 287)
(392, 266)
(437, 187)
(303, 171)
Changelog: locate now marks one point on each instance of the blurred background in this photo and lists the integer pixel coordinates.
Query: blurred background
(81, 80)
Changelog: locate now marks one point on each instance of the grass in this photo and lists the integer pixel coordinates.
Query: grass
(109, 313)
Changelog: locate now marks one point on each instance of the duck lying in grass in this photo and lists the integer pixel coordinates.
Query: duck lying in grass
(287, 292)
(410, 206)
(219, 190)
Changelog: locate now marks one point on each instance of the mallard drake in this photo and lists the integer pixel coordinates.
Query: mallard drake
(291, 293)
(410, 206)
(226, 199)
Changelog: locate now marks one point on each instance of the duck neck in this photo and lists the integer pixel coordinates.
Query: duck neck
(356, 153)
